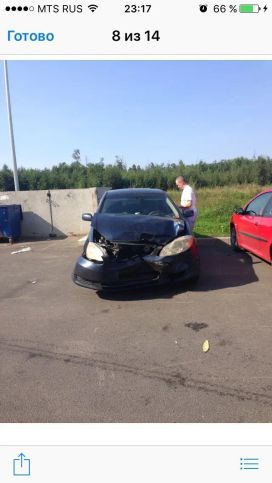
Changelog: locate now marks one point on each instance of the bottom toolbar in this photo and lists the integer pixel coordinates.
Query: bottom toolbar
(123, 464)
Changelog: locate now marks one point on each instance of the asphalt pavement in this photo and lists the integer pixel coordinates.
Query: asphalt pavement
(68, 354)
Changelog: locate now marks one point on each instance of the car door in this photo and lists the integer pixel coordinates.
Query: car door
(249, 224)
(265, 231)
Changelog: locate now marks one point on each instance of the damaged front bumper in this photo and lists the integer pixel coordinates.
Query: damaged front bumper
(138, 271)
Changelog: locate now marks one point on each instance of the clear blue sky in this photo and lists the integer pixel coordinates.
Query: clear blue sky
(144, 111)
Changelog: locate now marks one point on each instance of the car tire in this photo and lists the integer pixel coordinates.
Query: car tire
(233, 240)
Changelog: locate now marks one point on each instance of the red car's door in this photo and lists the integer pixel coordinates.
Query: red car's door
(265, 231)
(248, 228)
(247, 232)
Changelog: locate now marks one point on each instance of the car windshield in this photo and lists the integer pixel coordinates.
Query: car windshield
(139, 205)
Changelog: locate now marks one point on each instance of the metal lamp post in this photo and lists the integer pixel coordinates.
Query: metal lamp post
(15, 172)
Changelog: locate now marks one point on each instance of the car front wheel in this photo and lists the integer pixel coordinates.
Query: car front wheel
(233, 239)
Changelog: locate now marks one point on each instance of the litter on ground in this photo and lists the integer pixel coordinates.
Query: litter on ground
(27, 249)
(206, 346)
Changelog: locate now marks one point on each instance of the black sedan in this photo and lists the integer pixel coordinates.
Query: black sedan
(138, 237)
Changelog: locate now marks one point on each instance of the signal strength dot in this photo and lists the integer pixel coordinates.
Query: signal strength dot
(13, 9)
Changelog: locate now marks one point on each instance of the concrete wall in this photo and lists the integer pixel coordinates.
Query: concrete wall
(67, 208)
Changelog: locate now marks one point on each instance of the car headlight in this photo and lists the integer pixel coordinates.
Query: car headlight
(180, 245)
(94, 252)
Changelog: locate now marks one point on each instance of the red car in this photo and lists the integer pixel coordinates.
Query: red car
(251, 226)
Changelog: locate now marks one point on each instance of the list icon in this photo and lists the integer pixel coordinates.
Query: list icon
(249, 463)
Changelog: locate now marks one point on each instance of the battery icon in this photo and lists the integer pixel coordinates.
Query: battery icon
(249, 8)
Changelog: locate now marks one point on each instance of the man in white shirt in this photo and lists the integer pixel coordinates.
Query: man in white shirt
(188, 199)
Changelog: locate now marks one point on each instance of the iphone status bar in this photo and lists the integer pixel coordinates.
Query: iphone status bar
(109, 28)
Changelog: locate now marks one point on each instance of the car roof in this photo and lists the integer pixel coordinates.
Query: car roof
(135, 191)
(269, 190)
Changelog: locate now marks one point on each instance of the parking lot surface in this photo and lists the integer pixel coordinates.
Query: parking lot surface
(68, 354)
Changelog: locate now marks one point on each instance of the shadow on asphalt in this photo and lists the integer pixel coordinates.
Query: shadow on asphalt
(221, 268)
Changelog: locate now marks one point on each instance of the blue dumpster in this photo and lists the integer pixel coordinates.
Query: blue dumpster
(10, 222)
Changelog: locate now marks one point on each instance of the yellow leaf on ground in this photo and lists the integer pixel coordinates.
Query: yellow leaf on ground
(206, 346)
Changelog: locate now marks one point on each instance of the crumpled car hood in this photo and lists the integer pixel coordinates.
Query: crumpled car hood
(137, 228)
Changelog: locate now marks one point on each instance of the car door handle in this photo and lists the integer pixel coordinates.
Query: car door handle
(256, 223)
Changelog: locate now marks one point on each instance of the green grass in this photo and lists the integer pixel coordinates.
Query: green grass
(215, 206)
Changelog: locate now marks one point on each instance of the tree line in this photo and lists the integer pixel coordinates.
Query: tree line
(117, 175)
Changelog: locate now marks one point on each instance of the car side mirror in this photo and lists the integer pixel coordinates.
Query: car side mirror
(239, 211)
(250, 213)
(87, 217)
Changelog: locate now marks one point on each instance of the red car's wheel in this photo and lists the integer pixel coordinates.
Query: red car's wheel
(233, 240)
